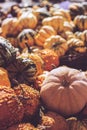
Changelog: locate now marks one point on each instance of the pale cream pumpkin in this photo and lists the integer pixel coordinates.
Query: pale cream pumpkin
(64, 90)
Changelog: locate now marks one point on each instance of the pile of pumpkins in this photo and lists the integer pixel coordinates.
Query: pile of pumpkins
(36, 91)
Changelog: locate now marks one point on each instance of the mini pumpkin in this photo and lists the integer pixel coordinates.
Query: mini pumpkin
(57, 44)
(22, 70)
(53, 121)
(76, 9)
(80, 22)
(75, 124)
(11, 109)
(10, 27)
(30, 99)
(64, 90)
(4, 79)
(27, 20)
(7, 52)
(44, 33)
(77, 45)
(55, 21)
(50, 59)
(64, 13)
(26, 38)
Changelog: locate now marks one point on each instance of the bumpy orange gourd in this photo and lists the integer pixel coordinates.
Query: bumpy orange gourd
(4, 79)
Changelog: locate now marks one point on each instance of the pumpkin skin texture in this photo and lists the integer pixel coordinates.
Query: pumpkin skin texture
(53, 121)
(26, 38)
(7, 52)
(29, 97)
(44, 33)
(50, 59)
(64, 90)
(4, 79)
(11, 109)
(22, 126)
(22, 70)
(75, 124)
(57, 44)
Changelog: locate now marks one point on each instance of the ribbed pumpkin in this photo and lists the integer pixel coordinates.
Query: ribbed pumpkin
(30, 99)
(57, 44)
(26, 38)
(50, 59)
(44, 33)
(22, 70)
(53, 121)
(55, 21)
(27, 20)
(77, 45)
(64, 90)
(75, 124)
(76, 9)
(80, 22)
(10, 27)
(22, 126)
(4, 79)
(64, 13)
(11, 109)
(7, 52)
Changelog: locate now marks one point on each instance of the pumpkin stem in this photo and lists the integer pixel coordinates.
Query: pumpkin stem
(65, 83)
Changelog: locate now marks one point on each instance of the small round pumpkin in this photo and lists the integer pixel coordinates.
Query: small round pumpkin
(22, 70)
(64, 90)
(44, 33)
(80, 22)
(26, 38)
(7, 52)
(55, 21)
(10, 27)
(27, 20)
(75, 124)
(11, 109)
(53, 121)
(57, 44)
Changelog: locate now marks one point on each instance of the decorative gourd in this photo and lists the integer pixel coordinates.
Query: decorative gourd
(68, 26)
(50, 59)
(10, 27)
(75, 124)
(80, 22)
(26, 38)
(4, 79)
(57, 44)
(11, 109)
(22, 126)
(64, 90)
(35, 58)
(77, 45)
(55, 21)
(30, 99)
(7, 52)
(82, 35)
(44, 33)
(22, 70)
(76, 9)
(27, 20)
(12, 40)
(53, 121)
(64, 13)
